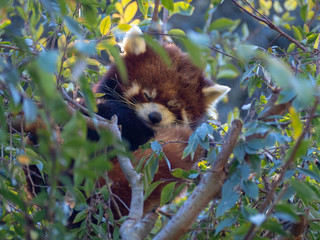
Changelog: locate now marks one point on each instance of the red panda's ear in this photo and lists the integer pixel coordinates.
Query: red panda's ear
(214, 93)
(133, 43)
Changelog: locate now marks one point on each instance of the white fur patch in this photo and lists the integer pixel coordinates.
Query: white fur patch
(133, 43)
(213, 95)
(184, 117)
(132, 91)
(150, 93)
(144, 109)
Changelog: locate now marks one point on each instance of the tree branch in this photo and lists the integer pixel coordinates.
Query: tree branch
(266, 21)
(208, 189)
(16, 48)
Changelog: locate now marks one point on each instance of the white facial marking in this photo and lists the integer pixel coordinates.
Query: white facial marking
(132, 91)
(144, 109)
(174, 104)
(150, 94)
(184, 117)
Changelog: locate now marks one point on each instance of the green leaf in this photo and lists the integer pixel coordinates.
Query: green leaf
(250, 188)
(311, 173)
(30, 110)
(90, 13)
(182, 8)
(304, 12)
(287, 212)
(48, 61)
(273, 226)
(73, 26)
(304, 191)
(167, 193)
(151, 188)
(156, 147)
(105, 25)
(194, 53)
(114, 51)
(5, 23)
(297, 34)
(80, 216)
(15, 198)
(143, 6)
(225, 223)
(291, 47)
(224, 24)
(168, 4)
(158, 49)
(177, 33)
(229, 196)
(228, 73)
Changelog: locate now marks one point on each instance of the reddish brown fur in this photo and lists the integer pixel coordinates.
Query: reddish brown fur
(181, 80)
(173, 151)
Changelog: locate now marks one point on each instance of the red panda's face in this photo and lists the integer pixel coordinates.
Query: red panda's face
(156, 108)
(162, 94)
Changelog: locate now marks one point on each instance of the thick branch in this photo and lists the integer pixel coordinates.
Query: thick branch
(208, 189)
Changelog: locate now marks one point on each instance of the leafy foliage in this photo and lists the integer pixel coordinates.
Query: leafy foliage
(51, 50)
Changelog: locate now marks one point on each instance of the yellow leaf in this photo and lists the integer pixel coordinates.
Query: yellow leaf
(119, 8)
(316, 43)
(124, 27)
(135, 22)
(93, 62)
(125, 3)
(102, 45)
(295, 123)
(23, 159)
(290, 5)
(62, 42)
(130, 11)
(105, 25)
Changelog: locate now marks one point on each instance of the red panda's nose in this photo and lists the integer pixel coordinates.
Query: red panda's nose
(155, 117)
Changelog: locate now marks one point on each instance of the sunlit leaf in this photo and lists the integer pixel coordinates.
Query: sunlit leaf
(296, 124)
(316, 43)
(143, 6)
(105, 25)
(168, 4)
(290, 5)
(182, 8)
(177, 32)
(130, 12)
(297, 33)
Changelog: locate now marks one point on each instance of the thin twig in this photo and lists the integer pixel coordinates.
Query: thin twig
(16, 48)
(223, 53)
(269, 24)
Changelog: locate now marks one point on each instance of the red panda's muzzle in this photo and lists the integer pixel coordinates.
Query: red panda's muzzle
(155, 117)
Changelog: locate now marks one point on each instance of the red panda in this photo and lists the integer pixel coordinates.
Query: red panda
(159, 101)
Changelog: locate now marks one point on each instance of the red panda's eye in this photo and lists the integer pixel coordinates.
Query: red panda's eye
(173, 104)
(148, 97)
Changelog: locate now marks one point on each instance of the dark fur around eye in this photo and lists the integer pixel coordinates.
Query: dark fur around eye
(148, 97)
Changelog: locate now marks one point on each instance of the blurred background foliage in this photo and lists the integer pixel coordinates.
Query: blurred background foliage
(52, 52)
